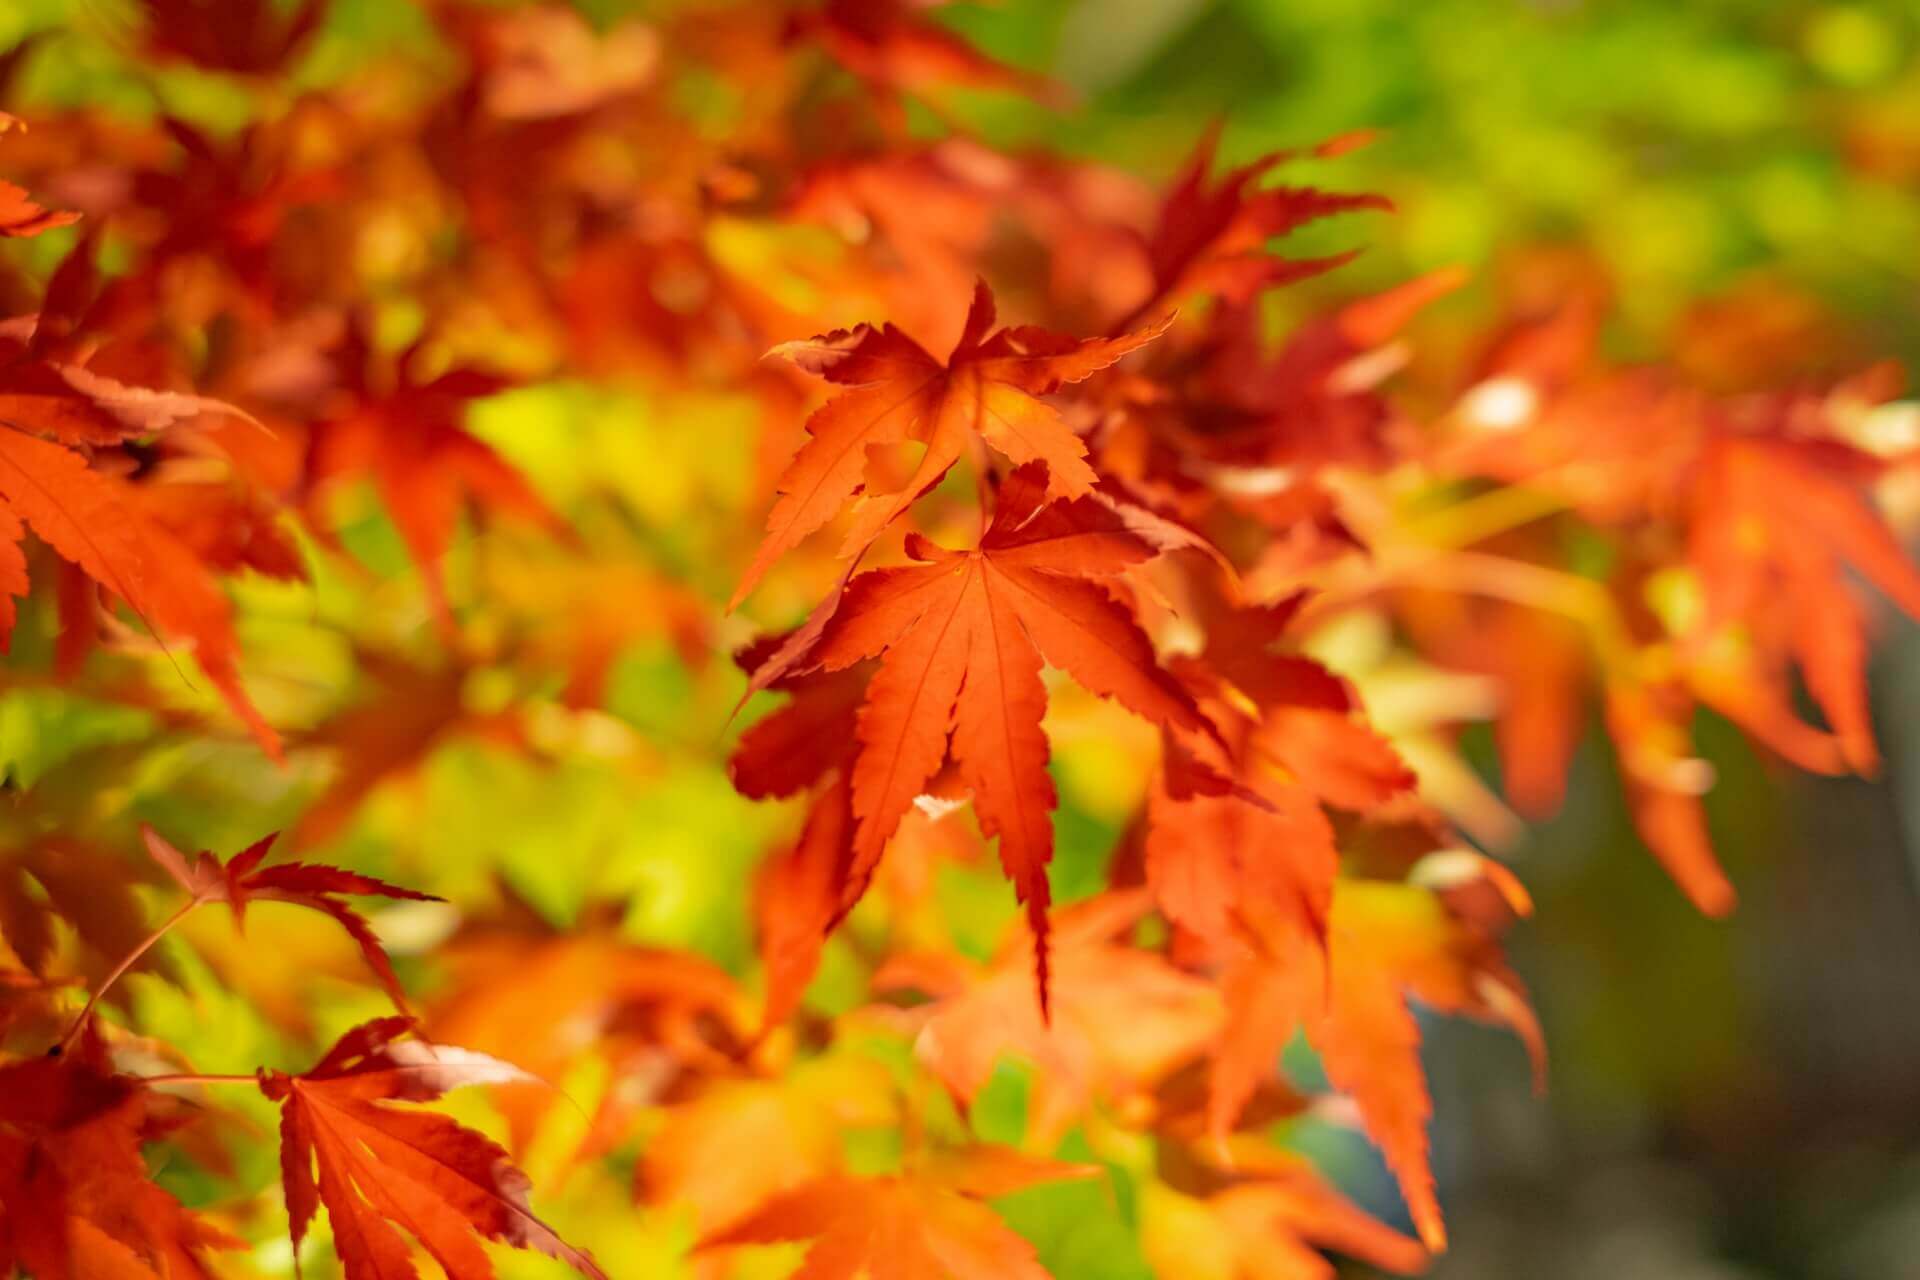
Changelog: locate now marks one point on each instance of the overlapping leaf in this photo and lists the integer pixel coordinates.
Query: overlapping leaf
(961, 637)
(76, 1200)
(922, 1225)
(1386, 943)
(375, 1166)
(987, 389)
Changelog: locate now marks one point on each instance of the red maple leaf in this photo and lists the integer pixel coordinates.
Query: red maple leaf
(1385, 942)
(961, 636)
(76, 1201)
(925, 1224)
(380, 1165)
(412, 443)
(1123, 1019)
(989, 389)
(1212, 237)
(304, 884)
(52, 410)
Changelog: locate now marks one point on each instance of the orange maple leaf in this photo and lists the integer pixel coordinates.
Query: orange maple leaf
(741, 1143)
(411, 442)
(1123, 1017)
(1755, 566)
(379, 1165)
(924, 1224)
(20, 216)
(1261, 1219)
(1261, 858)
(544, 1000)
(1386, 942)
(1213, 237)
(799, 898)
(989, 388)
(963, 634)
(93, 520)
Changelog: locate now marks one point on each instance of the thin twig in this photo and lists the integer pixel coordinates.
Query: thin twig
(146, 945)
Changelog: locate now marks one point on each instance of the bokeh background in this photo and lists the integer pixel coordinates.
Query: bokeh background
(1729, 1099)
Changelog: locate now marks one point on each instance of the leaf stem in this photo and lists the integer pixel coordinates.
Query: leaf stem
(146, 945)
(1483, 516)
(191, 1078)
(1580, 600)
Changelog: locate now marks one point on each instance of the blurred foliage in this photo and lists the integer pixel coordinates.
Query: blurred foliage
(1692, 146)
(1747, 151)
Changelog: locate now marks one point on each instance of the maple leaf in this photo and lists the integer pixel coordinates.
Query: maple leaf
(1542, 662)
(886, 44)
(379, 1165)
(1121, 1018)
(1213, 238)
(1650, 723)
(961, 636)
(178, 596)
(426, 466)
(1261, 1218)
(1385, 942)
(989, 388)
(794, 747)
(1245, 863)
(20, 216)
(924, 1224)
(801, 892)
(1752, 564)
(800, 897)
(303, 884)
(86, 887)
(1220, 864)
(545, 1000)
(76, 1200)
(94, 520)
(98, 524)
(740, 1143)
(47, 387)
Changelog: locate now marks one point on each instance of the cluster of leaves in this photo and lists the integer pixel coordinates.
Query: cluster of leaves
(1140, 519)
